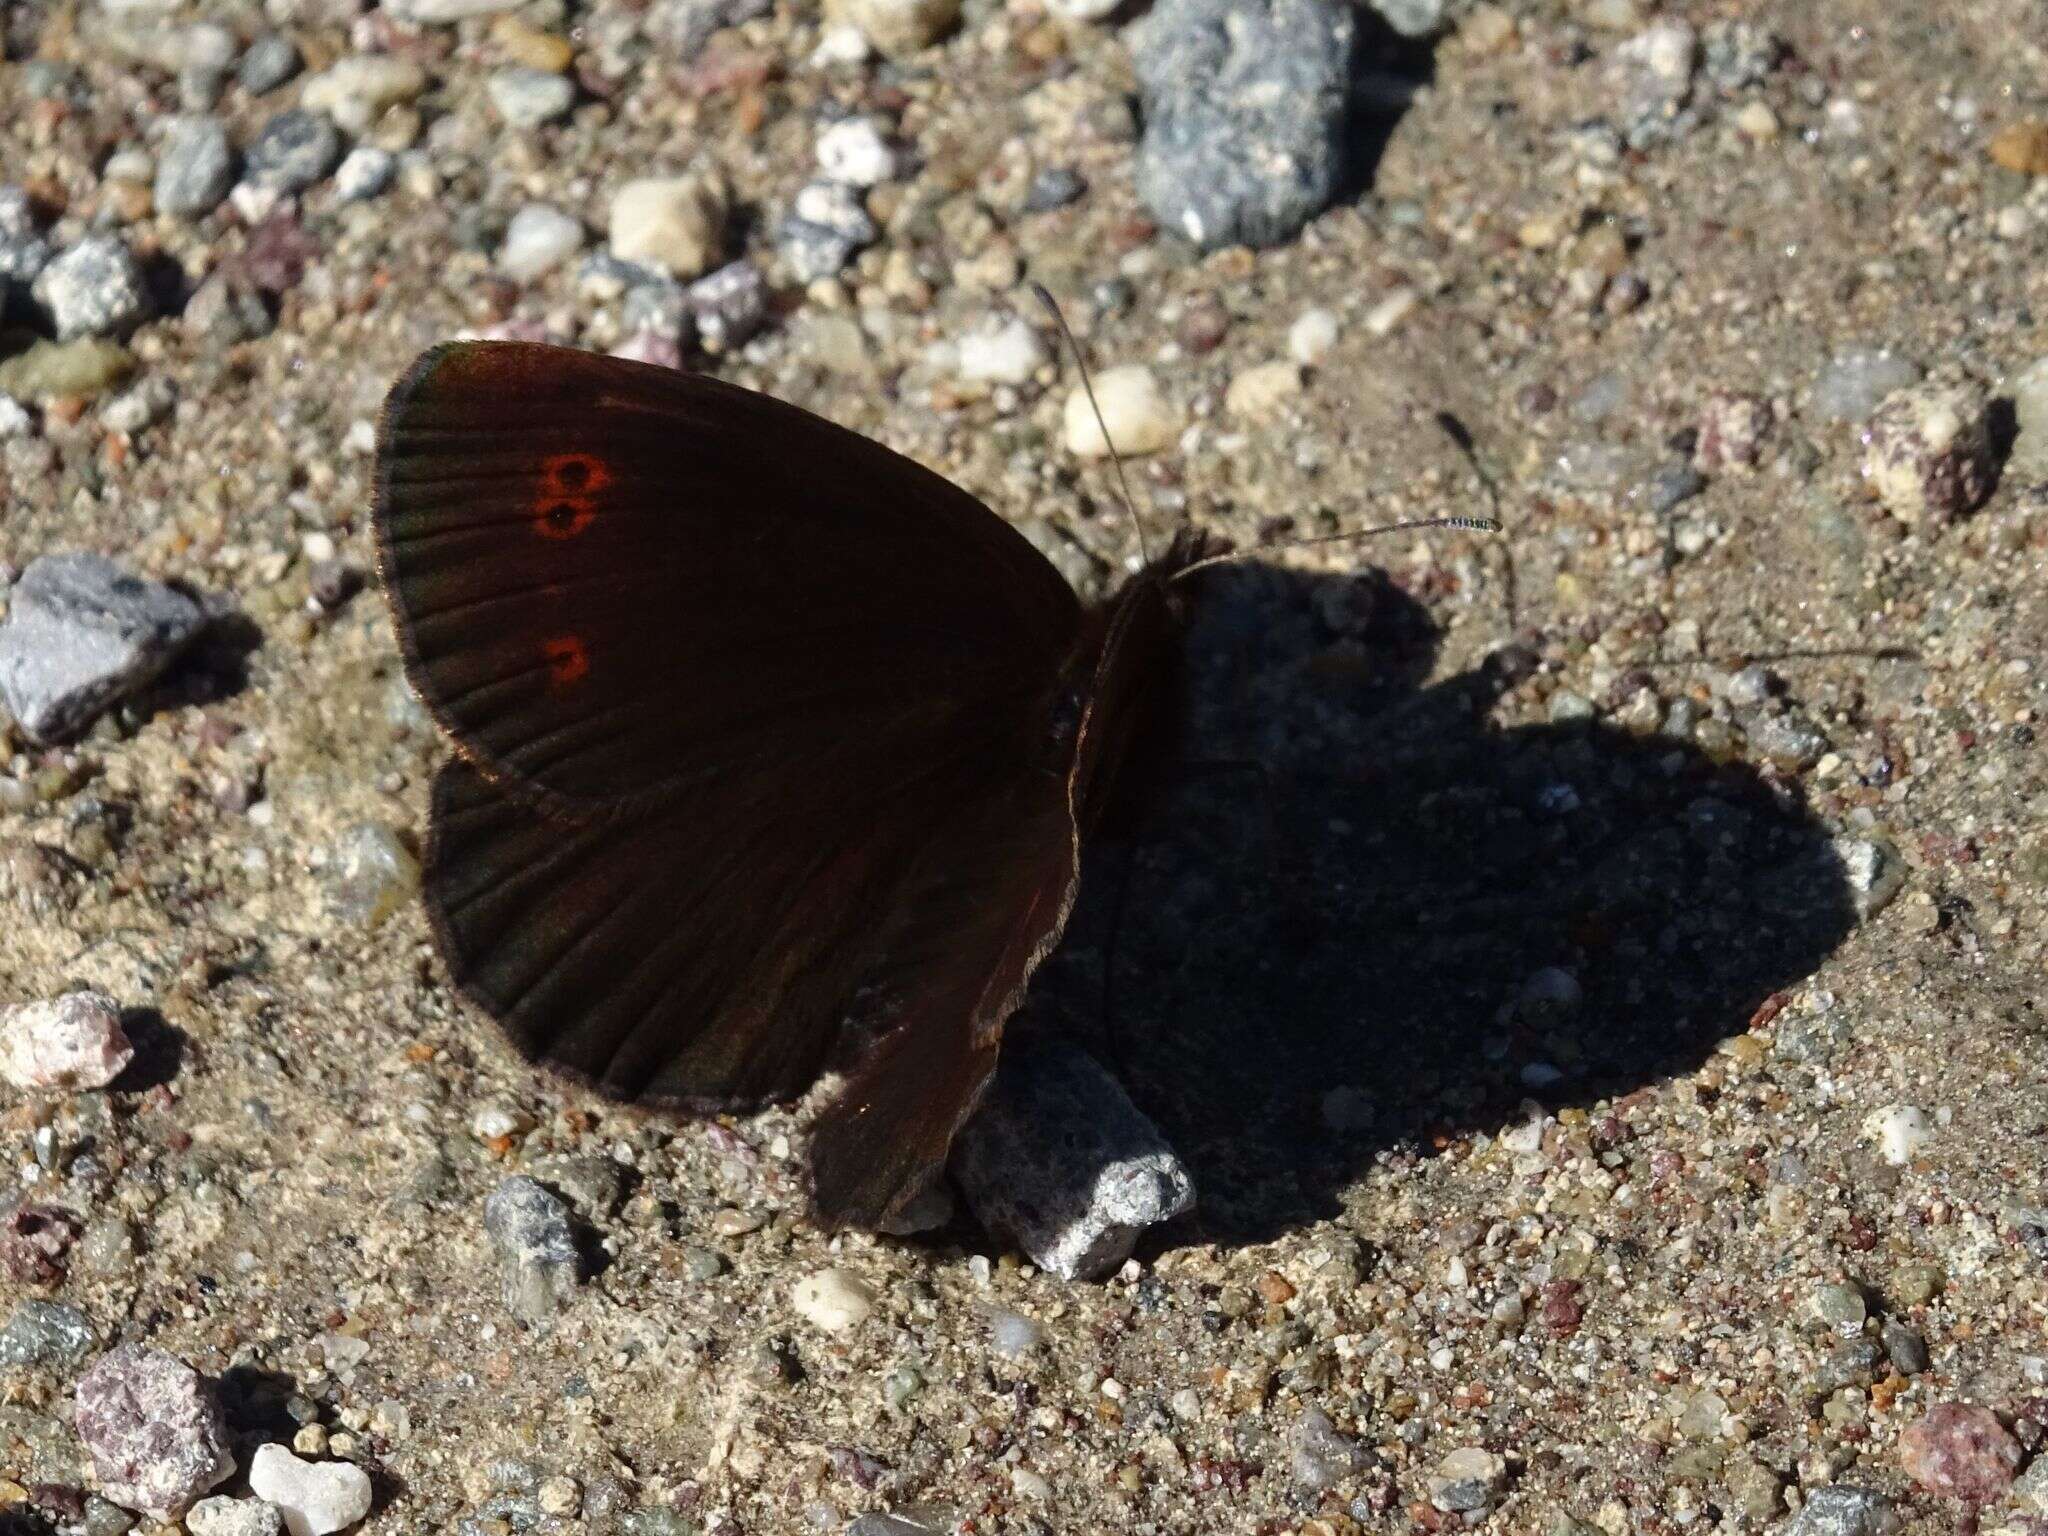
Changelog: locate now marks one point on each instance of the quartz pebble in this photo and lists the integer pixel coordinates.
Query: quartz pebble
(1961, 1450)
(1006, 352)
(1246, 107)
(365, 171)
(2030, 413)
(1927, 450)
(315, 1498)
(371, 873)
(1650, 77)
(857, 153)
(1311, 337)
(674, 224)
(1900, 1131)
(1322, 1455)
(538, 240)
(538, 1265)
(833, 1300)
(1261, 391)
(1058, 1160)
(222, 1516)
(355, 90)
(1134, 409)
(827, 225)
(67, 1043)
(154, 1429)
(1856, 380)
(528, 98)
(94, 288)
(81, 633)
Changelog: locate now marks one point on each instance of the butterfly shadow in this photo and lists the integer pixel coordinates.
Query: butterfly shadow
(1413, 921)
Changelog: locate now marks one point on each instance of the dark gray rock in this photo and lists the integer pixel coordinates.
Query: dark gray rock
(23, 250)
(195, 166)
(730, 304)
(1246, 103)
(1060, 1161)
(81, 633)
(538, 1264)
(93, 289)
(45, 1333)
(154, 1429)
(293, 150)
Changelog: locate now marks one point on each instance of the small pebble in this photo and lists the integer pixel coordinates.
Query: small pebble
(1927, 450)
(1263, 390)
(833, 1300)
(154, 1429)
(539, 1267)
(357, 89)
(2030, 412)
(1469, 1480)
(94, 288)
(45, 1333)
(856, 153)
(1856, 380)
(1006, 352)
(826, 227)
(1312, 335)
(1322, 1455)
(1134, 409)
(80, 634)
(729, 305)
(1900, 1131)
(315, 1498)
(527, 98)
(195, 166)
(1841, 1309)
(292, 151)
(1013, 1335)
(896, 27)
(268, 62)
(221, 1516)
(674, 224)
(539, 239)
(371, 873)
(1842, 1510)
(68, 1043)
(1960, 1450)
(365, 172)
(1054, 187)
(1732, 429)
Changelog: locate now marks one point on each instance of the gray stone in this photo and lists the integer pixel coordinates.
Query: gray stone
(270, 60)
(826, 227)
(93, 289)
(730, 305)
(45, 1333)
(1650, 77)
(1842, 1510)
(1058, 1160)
(235, 1517)
(681, 28)
(2030, 412)
(538, 1264)
(1322, 1455)
(365, 171)
(1413, 18)
(887, 1525)
(195, 166)
(527, 98)
(1246, 104)
(154, 1429)
(293, 150)
(23, 250)
(1855, 380)
(81, 633)
(1905, 1348)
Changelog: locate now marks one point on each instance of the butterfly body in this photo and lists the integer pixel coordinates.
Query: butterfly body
(759, 725)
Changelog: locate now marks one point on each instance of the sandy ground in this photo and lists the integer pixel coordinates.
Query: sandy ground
(1522, 1025)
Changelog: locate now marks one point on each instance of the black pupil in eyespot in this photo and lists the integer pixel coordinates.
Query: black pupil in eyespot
(561, 515)
(573, 475)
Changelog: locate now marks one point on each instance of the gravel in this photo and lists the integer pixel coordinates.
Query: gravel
(315, 1498)
(539, 1267)
(154, 1430)
(195, 166)
(67, 1043)
(292, 151)
(1246, 115)
(93, 288)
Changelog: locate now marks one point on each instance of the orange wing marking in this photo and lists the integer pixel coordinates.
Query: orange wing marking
(566, 502)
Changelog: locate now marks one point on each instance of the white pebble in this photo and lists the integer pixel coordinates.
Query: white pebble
(1260, 391)
(1008, 352)
(364, 172)
(69, 1042)
(316, 1498)
(538, 240)
(1900, 1131)
(1027, 1484)
(357, 88)
(1385, 316)
(856, 153)
(1139, 418)
(1311, 336)
(833, 1300)
(673, 223)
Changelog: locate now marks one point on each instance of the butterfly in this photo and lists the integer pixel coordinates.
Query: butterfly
(772, 747)
(774, 751)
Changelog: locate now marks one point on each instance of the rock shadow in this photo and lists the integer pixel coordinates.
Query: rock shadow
(1412, 921)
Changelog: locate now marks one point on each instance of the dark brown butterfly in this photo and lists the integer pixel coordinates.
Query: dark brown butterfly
(762, 729)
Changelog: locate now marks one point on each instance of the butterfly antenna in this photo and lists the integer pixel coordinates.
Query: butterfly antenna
(1469, 524)
(1123, 485)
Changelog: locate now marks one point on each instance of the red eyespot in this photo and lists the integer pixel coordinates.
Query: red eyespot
(567, 500)
(568, 659)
